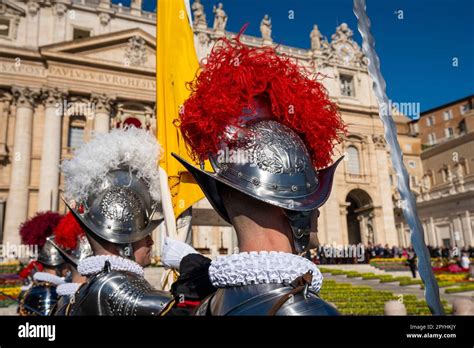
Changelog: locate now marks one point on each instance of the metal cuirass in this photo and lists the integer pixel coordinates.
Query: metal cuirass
(259, 299)
(118, 293)
(39, 299)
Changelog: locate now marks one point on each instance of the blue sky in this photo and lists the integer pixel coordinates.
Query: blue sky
(416, 52)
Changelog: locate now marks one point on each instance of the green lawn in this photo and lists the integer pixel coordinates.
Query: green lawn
(364, 300)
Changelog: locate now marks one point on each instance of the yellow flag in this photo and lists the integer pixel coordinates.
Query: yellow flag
(176, 64)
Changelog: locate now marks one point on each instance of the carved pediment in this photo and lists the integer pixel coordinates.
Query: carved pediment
(129, 49)
(8, 6)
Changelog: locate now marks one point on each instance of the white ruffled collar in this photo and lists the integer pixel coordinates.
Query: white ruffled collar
(67, 289)
(262, 268)
(48, 277)
(95, 264)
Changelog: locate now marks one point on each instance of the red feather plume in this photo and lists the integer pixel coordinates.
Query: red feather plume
(230, 79)
(67, 232)
(30, 269)
(35, 230)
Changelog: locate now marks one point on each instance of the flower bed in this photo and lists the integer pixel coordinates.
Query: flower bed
(453, 269)
(390, 264)
(460, 288)
(457, 278)
(444, 279)
(9, 267)
(10, 282)
(6, 293)
(10, 279)
(400, 264)
(363, 300)
(411, 282)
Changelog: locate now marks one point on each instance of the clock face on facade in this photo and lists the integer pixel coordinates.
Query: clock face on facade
(345, 53)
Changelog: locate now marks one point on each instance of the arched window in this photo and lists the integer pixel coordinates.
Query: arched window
(353, 165)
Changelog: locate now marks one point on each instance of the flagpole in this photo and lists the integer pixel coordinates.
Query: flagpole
(407, 198)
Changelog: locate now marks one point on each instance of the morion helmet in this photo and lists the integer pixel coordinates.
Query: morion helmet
(114, 183)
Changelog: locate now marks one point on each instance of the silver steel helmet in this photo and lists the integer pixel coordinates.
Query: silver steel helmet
(122, 211)
(269, 162)
(49, 255)
(82, 250)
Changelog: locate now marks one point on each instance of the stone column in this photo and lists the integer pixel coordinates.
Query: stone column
(136, 7)
(32, 19)
(60, 9)
(51, 153)
(5, 102)
(437, 241)
(150, 120)
(467, 229)
(401, 236)
(103, 108)
(457, 227)
(331, 209)
(104, 4)
(343, 237)
(17, 202)
(104, 21)
(363, 228)
(427, 232)
(378, 224)
(385, 192)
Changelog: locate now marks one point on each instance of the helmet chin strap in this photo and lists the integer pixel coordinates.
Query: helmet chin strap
(300, 223)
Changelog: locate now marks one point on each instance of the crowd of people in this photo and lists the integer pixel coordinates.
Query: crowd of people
(372, 251)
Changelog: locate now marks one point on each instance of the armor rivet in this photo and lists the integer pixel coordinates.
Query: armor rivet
(294, 188)
(308, 185)
(275, 186)
(255, 181)
(109, 227)
(129, 228)
(239, 174)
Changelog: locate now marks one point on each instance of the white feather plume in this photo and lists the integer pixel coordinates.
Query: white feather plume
(173, 251)
(132, 147)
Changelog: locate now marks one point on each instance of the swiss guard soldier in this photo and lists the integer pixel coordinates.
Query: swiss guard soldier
(41, 297)
(266, 128)
(113, 182)
(71, 242)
